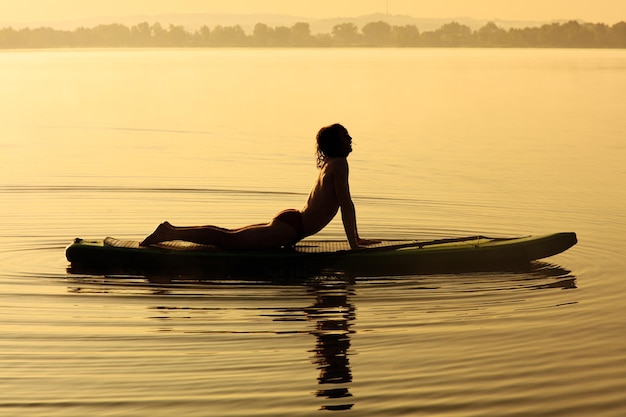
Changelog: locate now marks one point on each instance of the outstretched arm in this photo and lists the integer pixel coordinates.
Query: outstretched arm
(348, 213)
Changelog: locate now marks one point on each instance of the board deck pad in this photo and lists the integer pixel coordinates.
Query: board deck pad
(173, 245)
(305, 246)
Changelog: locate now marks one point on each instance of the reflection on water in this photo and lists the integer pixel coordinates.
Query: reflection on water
(538, 275)
(563, 278)
(333, 315)
(323, 306)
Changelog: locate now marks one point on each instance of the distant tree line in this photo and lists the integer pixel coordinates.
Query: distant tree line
(571, 34)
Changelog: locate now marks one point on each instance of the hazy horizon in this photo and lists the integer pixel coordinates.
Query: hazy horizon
(601, 11)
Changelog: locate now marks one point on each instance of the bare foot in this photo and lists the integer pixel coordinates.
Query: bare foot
(159, 235)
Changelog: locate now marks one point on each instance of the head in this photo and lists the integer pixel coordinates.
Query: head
(333, 142)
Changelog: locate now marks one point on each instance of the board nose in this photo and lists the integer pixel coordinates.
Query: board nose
(569, 238)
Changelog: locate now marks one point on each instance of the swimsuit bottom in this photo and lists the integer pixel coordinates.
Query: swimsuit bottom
(294, 219)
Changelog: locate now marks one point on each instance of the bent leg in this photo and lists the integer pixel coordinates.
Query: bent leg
(205, 235)
(258, 236)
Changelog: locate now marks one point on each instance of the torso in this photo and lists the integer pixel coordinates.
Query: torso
(322, 204)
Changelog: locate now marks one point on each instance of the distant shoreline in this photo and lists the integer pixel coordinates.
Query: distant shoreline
(377, 34)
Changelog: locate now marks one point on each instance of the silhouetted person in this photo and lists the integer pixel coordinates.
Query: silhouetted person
(330, 193)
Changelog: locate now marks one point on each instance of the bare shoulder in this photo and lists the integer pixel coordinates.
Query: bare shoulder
(336, 165)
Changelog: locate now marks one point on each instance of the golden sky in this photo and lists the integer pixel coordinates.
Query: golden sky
(605, 11)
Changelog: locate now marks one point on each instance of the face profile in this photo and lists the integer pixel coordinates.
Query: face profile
(333, 141)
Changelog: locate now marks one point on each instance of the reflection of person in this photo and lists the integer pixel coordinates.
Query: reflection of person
(330, 193)
(334, 315)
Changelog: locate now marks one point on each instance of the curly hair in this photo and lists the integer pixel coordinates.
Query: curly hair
(329, 143)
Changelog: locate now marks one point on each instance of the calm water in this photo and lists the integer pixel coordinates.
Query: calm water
(447, 143)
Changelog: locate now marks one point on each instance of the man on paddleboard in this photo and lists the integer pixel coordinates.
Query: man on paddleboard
(330, 193)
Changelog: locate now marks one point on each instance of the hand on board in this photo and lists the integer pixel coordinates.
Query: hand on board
(366, 242)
